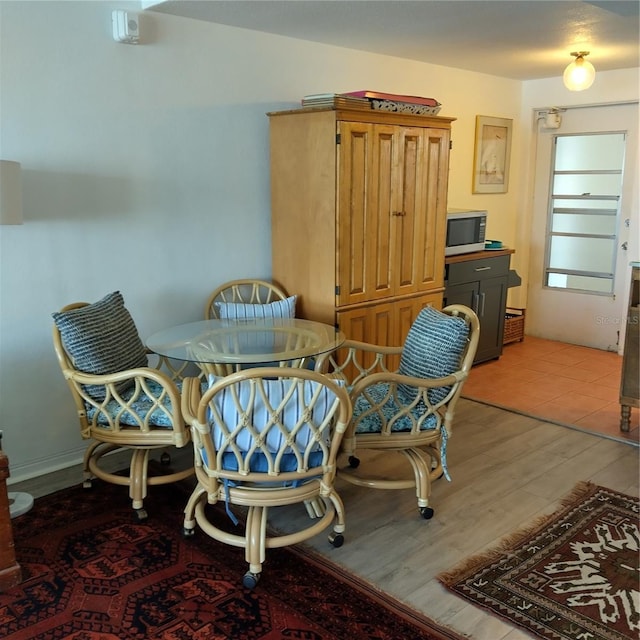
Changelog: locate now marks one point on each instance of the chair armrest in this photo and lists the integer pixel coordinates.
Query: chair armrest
(356, 360)
(191, 394)
(105, 379)
(410, 381)
(150, 402)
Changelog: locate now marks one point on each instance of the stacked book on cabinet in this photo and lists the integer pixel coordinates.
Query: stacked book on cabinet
(376, 100)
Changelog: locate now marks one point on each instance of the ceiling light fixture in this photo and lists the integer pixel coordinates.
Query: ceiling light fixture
(580, 74)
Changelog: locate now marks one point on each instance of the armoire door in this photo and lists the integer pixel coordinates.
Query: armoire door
(419, 209)
(392, 189)
(366, 185)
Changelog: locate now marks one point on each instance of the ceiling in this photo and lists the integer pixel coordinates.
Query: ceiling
(519, 39)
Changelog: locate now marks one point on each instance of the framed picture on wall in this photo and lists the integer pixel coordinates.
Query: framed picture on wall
(492, 155)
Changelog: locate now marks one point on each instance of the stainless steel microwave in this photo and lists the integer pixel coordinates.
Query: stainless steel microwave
(466, 230)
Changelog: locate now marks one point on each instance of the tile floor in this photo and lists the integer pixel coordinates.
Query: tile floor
(563, 383)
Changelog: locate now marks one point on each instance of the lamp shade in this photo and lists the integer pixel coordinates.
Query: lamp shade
(10, 192)
(579, 75)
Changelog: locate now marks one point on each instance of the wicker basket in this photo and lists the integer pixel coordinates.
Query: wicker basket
(513, 325)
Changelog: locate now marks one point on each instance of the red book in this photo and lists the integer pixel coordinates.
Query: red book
(378, 95)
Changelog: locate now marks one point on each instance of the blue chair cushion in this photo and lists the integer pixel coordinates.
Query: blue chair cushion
(101, 338)
(258, 462)
(141, 407)
(433, 349)
(241, 310)
(373, 422)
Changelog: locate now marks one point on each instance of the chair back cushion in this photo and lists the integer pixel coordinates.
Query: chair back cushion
(241, 310)
(101, 338)
(433, 349)
(281, 423)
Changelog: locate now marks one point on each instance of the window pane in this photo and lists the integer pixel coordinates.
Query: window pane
(576, 223)
(587, 182)
(595, 184)
(582, 254)
(584, 283)
(593, 152)
(564, 203)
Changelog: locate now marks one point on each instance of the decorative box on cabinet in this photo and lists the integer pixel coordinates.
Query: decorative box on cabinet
(358, 202)
(630, 380)
(480, 280)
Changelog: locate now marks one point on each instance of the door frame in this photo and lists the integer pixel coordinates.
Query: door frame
(598, 320)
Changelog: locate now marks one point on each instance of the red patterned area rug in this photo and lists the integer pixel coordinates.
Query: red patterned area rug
(573, 575)
(90, 572)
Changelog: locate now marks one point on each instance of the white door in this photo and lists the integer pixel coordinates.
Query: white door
(593, 319)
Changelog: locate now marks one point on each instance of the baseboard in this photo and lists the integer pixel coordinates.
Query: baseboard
(44, 466)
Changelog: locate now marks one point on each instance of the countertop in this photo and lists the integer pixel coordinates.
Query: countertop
(476, 255)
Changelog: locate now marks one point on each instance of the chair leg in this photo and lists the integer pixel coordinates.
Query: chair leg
(433, 451)
(422, 472)
(138, 481)
(189, 524)
(87, 476)
(335, 537)
(315, 508)
(256, 533)
(92, 454)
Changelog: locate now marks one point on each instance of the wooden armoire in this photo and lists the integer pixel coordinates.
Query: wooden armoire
(359, 201)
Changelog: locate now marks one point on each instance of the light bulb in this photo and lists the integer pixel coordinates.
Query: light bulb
(580, 74)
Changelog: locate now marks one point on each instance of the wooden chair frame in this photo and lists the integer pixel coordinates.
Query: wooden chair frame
(108, 433)
(258, 491)
(361, 365)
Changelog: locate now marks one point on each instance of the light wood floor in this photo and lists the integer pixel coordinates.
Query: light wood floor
(564, 383)
(506, 469)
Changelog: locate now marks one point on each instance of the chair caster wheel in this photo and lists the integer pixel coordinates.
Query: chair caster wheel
(354, 462)
(426, 512)
(188, 533)
(250, 580)
(165, 459)
(140, 515)
(336, 539)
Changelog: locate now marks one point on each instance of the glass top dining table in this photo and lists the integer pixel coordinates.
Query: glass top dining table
(246, 341)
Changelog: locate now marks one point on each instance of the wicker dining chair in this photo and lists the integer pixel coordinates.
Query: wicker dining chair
(265, 438)
(407, 409)
(121, 402)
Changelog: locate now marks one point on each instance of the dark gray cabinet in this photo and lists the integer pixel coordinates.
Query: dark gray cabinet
(480, 281)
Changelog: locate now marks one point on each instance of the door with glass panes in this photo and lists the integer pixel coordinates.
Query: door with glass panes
(585, 222)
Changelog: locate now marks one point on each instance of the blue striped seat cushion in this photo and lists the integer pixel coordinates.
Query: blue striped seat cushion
(241, 310)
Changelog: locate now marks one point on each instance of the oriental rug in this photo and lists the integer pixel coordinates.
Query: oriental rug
(91, 572)
(573, 575)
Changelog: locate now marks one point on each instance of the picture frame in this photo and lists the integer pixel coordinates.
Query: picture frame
(492, 154)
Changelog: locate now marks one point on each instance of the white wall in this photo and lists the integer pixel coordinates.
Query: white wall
(145, 169)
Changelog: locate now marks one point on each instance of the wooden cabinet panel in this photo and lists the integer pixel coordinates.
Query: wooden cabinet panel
(380, 200)
(385, 322)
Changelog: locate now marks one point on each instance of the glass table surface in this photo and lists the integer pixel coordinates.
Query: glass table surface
(246, 341)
